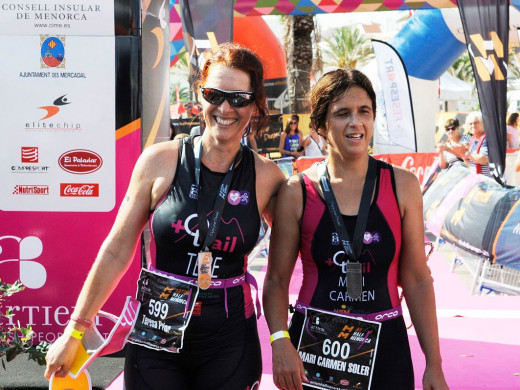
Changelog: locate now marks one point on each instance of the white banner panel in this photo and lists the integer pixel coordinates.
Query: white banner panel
(396, 92)
(57, 133)
(72, 17)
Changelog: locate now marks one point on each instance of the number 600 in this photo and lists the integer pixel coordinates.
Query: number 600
(336, 348)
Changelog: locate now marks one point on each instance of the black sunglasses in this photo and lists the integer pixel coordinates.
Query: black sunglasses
(235, 99)
(450, 128)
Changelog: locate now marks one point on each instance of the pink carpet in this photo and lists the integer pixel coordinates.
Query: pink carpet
(479, 335)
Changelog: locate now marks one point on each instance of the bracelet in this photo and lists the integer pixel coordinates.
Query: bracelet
(279, 335)
(74, 332)
(81, 321)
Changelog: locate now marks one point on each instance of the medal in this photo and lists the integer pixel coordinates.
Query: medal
(354, 279)
(204, 266)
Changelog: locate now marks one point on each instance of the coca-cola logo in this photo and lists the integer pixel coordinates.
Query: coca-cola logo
(79, 189)
(80, 161)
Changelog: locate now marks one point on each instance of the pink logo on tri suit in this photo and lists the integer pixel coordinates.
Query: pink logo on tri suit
(371, 237)
(234, 197)
(244, 198)
(238, 197)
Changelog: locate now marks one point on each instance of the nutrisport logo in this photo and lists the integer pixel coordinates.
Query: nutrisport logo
(23, 252)
(52, 51)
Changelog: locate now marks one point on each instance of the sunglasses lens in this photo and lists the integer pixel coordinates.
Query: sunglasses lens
(235, 99)
(238, 99)
(212, 96)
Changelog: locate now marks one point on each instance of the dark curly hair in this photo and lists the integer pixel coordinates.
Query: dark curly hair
(330, 87)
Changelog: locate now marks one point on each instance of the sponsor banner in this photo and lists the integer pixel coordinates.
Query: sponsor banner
(52, 252)
(46, 112)
(439, 189)
(205, 24)
(475, 213)
(505, 246)
(420, 164)
(453, 190)
(57, 126)
(469, 223)
(486, 28)
(35, 17)
(397, 98)
(338, 352)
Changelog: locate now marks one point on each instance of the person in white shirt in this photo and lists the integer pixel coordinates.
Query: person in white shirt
(314, 144)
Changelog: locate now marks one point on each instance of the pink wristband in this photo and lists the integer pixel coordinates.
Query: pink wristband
(81, 321)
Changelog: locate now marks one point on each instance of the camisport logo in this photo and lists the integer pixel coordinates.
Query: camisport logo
(29, 154)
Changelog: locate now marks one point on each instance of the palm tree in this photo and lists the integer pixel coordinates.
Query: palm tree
(348, 47)
(462, 68)
(299, 48)
(180, 71)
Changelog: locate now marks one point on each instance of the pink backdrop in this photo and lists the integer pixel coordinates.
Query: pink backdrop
(69, 244)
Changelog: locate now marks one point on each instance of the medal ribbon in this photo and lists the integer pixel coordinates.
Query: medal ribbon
(352, 247)
(210, 233)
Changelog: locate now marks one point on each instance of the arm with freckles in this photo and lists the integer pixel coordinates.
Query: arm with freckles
(416, 280)
(288, 372)
(114, 256)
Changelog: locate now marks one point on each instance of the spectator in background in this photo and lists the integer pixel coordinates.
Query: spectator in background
(448, 151)
(249, 140)
(290, 139)
(476, 155)
(512, 131)
(314, 144)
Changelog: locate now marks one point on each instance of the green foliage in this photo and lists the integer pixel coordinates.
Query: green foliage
(462, 68)
(16, 340)
(184, 93)
(347, 48)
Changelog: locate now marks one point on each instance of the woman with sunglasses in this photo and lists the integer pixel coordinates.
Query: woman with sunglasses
(357, 225)
(179, 186)
(450, 151)
(290, 140)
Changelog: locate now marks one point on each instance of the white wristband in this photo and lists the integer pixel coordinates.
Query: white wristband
(279, 335)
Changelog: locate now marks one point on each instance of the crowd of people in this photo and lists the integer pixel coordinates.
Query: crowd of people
(357, 224)
(469, 145)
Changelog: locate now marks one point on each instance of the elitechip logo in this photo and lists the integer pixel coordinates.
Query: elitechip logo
(52, 51)
(80, 161)
(31, 190)
(29, 154)
(55, 108)
(85, 190)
